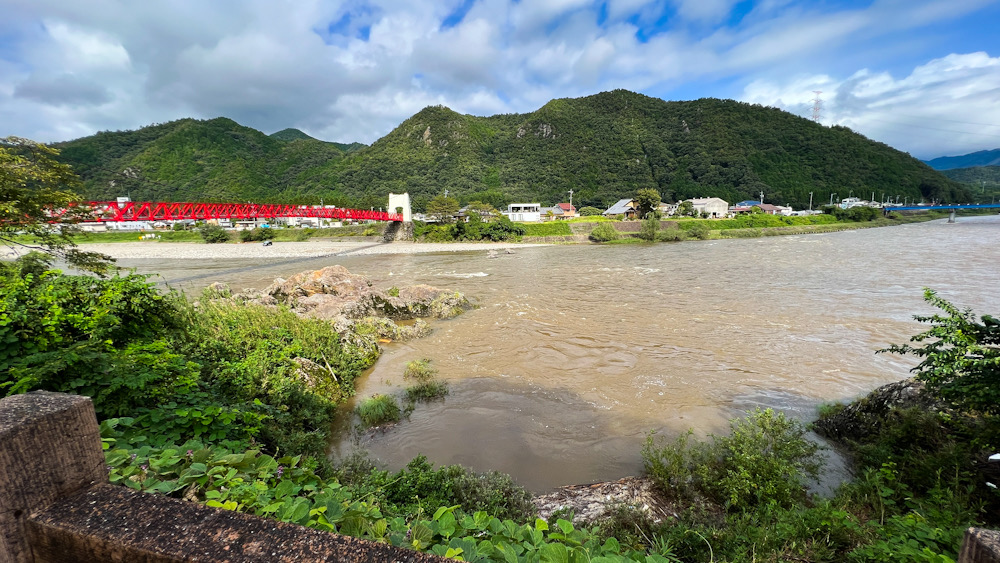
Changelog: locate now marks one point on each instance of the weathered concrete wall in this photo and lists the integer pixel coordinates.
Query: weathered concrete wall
(56, 504)
(50, 447)
(980, 546)
(109, 523)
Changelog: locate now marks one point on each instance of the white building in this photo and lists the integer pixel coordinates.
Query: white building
(524, 212)
(712, 206)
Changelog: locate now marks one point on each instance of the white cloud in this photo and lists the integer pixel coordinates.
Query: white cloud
(72, 68)
(946, 106)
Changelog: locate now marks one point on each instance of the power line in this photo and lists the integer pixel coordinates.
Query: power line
(932, 128)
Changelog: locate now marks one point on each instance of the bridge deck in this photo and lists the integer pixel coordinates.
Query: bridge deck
(162, 211)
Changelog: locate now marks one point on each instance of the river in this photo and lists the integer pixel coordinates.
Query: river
(576, 352)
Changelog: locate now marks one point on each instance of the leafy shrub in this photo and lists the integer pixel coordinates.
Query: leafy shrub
(961, 359)
(256, 234)
(378, 409)
(650, 227)
(698, 229)
(589, 211)
(213, 234)
(604, 232)
(765, 459)
(671, 235)
(419, 370)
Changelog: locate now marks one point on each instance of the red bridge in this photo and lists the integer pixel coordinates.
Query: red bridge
(152, 211)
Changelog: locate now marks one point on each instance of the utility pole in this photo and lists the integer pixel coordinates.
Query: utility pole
(571, 201)
(810, 201)
(762, 196)
(445, 193)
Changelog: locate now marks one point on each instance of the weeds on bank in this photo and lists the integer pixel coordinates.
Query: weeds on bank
(379, 409)
(427, 387)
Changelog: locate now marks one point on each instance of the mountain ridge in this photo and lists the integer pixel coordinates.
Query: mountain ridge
(970, 160)
(603, 147)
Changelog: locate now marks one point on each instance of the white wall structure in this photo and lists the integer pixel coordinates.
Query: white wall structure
(524, 212)
(401, 200)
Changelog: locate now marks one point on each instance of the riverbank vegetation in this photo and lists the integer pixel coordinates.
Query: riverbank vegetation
(230, 405)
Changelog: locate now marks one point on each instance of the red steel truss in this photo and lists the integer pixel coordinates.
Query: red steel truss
(154, 211)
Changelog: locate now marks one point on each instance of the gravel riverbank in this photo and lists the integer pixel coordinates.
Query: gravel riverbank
(153, 249)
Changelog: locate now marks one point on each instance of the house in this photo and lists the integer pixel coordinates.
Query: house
(624, 207)
(567, 210)
(711, 206)
(524, 212)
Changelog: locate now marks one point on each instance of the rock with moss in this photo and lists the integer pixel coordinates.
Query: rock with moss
(865, 416)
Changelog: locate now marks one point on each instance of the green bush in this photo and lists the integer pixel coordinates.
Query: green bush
(419, 370)
(671, 235)
(605, 232)
(650, 227)
(213, 234)
(378, 409)
(256, 234)
(765, 459)
(589, 211)
(426, 391)
(697, 229)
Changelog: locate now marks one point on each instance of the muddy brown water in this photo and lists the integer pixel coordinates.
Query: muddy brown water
(577, 352)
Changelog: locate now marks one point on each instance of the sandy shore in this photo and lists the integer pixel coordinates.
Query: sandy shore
(153, 249)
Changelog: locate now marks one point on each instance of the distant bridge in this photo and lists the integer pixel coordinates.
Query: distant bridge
(114, 211)
(953, 208)
(940, 207)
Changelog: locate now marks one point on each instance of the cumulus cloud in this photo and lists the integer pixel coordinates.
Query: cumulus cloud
(946, 106)
(351, 71)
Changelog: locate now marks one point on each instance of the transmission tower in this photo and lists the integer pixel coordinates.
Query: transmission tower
(817, 105)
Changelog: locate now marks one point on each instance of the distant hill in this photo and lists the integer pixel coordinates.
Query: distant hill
(603, 147)
(606, 146)
(192, 160)
(980, 158)
(290, 134)
(983, 181)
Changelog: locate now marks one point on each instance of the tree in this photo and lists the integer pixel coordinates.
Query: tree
(685, 209)
(646, 201)
(650, 226)
(961, 359)
(589, 211)
(37, 204)
(485, 211)
(443, 208)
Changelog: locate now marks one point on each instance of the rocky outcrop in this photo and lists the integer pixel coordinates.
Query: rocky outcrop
(590, 503)
(353, 304)
(865, 416)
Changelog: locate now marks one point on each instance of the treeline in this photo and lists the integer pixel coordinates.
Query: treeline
(603, 147)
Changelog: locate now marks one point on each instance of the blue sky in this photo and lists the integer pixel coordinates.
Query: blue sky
(920, 75)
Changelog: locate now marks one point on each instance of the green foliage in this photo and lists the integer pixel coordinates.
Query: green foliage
(213, 234)
(698, 148)
(426, 391)
(856, 214)
(650, 228)
(765, 460)
(590, 211)
(699, 229)
(960, 357)
(36, 193)
(443, 208)
(255, 234)
(378, 409)
(605, 232)
(547, 229)
(686, 209)
(419, 370)
(646, 201)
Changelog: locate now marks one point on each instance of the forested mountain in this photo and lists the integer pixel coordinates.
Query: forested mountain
(603, 147)
(982, 181)
(980, 158)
